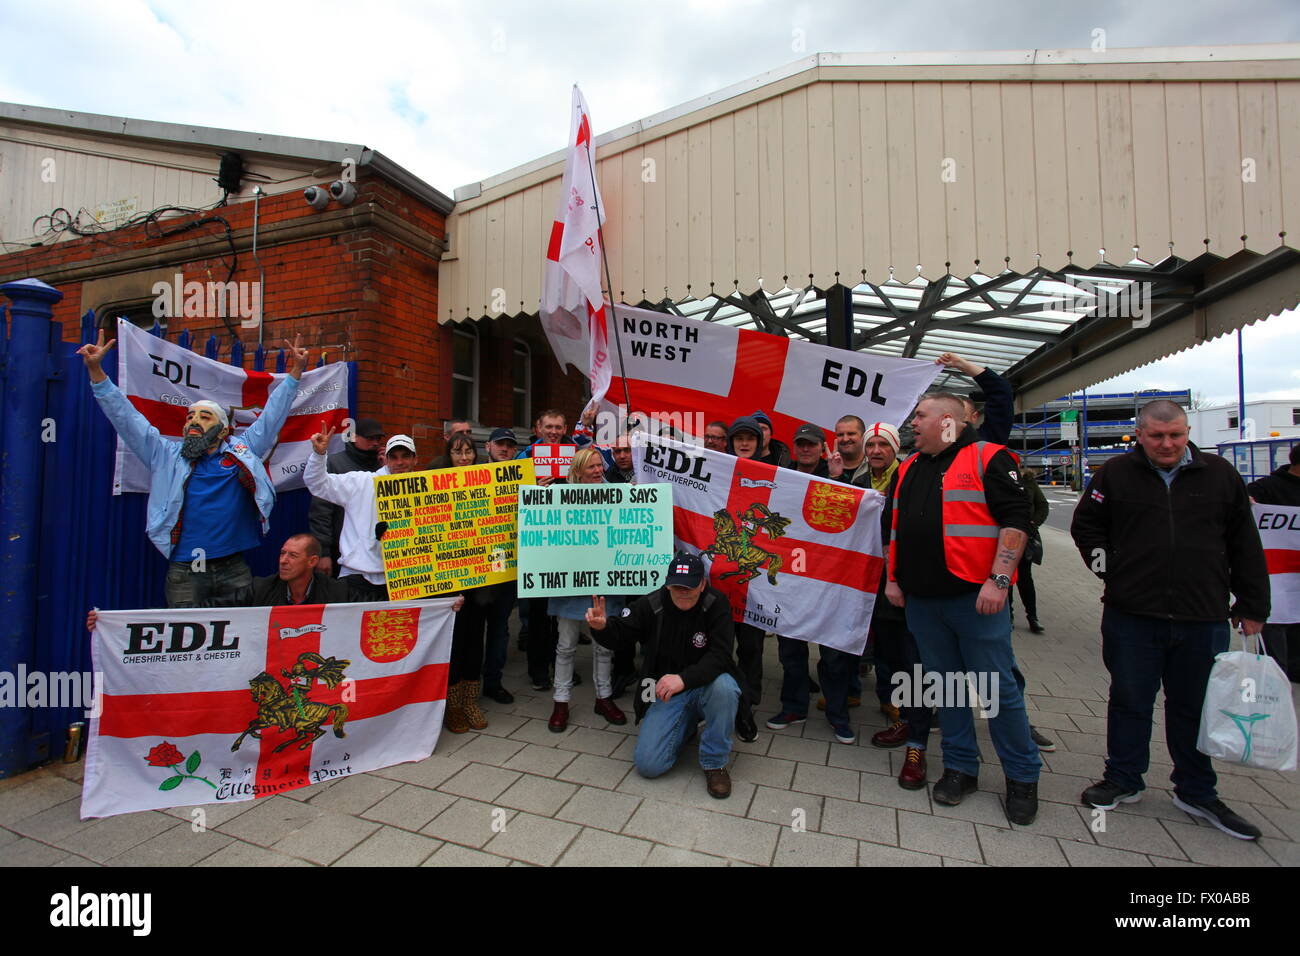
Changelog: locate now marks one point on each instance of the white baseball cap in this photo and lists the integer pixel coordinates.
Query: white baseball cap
(400, 441)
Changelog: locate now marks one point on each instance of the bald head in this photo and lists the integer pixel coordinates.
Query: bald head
(938, 420)
(1160, 410)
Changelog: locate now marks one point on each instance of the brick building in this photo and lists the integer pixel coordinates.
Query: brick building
(106, 208)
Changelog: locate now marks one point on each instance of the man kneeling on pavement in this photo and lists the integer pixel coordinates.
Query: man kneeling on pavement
(687, 673)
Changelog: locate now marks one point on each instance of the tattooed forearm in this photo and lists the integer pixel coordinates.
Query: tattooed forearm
(1011, 545)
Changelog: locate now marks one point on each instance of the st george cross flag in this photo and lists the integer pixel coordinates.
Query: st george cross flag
(162, 380)
(573, 307)
(1279, 532)
(795, 555)
(228, 704)
(677, 366)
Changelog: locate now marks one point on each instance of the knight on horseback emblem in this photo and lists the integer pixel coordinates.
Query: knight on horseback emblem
(293, 708)
(733, 539)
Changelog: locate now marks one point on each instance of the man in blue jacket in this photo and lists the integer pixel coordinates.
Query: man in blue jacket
(210, 496)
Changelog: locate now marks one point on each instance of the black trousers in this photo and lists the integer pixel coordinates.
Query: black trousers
(467, 642)
(749, 655)
(363, 591)
(1282, 642)
(1025, 585)
(542, 635)
(896, 649)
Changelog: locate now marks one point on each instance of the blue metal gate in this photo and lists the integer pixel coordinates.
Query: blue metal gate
(89, 546)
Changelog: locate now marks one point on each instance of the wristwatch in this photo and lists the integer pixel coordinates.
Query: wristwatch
(1001, 580)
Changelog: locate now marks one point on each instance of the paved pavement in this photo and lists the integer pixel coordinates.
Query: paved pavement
(1061, 500)
(517, 794)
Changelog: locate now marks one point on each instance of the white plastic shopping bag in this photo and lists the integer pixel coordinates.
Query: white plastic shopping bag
(1248, 717)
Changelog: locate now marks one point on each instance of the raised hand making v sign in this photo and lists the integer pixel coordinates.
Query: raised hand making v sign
(210, 497)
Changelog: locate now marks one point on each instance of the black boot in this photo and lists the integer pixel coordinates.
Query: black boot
(1022, 802)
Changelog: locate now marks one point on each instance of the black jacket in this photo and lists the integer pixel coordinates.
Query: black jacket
(1279, 488)
(325, 519)
(920, 565)
(820, 470)
(270, 591)
(776, 453)
(696, 645)
(999, 407)
(1173, 552)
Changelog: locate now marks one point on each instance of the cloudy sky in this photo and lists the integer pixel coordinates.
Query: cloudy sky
(457, 92)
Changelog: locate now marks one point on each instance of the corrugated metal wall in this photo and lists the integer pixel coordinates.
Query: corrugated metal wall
(821, 174)
(47, 170)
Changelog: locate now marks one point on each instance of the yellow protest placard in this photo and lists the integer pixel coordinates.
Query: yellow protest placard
(451, 529)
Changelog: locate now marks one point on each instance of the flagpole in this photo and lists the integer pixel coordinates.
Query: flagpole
(600, 233)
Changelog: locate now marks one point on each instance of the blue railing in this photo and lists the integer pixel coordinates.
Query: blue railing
(88, 546)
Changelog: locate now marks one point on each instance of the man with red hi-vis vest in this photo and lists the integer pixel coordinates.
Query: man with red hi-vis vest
(960, 523)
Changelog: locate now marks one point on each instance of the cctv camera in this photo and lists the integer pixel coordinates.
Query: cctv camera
(316, 197)
(343, 193)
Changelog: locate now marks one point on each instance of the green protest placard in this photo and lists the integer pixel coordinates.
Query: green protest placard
(594, 539)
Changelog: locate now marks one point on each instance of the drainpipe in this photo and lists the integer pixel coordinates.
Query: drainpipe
(261, 271)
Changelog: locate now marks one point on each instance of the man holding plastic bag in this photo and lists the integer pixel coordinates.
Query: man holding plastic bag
(1169, 531)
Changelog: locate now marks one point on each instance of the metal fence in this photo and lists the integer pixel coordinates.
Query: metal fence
(1255, 459)
(90, 547)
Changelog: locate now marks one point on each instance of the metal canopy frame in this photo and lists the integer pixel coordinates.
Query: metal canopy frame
(996, 321)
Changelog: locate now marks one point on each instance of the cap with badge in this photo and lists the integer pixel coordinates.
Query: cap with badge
(809, 433)
(686, 570)
(400, 441)
(503, 434)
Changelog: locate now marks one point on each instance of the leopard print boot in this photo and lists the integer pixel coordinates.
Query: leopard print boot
(469, 702)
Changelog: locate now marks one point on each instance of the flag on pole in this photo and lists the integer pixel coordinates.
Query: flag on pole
(1279, 532)
(573, 309)
(232, 704)
(162, 380)
(794, 555)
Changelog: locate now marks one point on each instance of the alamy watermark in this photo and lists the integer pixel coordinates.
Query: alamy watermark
(921, 688)
(1131, 302)
(210, 300)
(31, 689)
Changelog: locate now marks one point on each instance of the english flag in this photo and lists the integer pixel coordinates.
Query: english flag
(1279, 532)
(573, 311)
(225, 705)
(676, 367)
(162, 380)
(794, 554)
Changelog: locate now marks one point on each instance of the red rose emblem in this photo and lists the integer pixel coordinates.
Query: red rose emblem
(164, 755)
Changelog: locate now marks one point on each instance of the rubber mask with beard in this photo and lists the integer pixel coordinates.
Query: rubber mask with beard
(194, 447)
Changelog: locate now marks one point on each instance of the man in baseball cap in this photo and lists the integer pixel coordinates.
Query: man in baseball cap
(361, 561)
(685, 632)
(809, 442)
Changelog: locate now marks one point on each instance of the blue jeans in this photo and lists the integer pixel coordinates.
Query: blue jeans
(833, 670)
(667, 723)
(498, 635)
(223, 577)
(1141, 653)
(954, 638)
